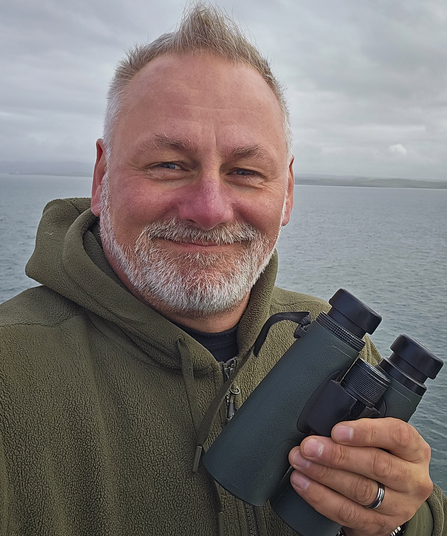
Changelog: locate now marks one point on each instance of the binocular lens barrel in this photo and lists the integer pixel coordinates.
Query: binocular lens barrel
(365, 383)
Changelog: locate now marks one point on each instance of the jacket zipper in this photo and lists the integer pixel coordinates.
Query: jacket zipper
(251, 520)
(228, 370)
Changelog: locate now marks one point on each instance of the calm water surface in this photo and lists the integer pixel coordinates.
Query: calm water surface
(386, 246)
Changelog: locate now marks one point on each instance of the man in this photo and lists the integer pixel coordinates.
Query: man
(111, 372)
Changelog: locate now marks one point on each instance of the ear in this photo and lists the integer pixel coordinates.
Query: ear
(98, 175)
(289, 194)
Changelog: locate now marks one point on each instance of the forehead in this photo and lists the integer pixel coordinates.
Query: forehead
(201, 73)
(186, 91)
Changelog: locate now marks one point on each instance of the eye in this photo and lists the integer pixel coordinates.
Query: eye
(242, 172)
(169, 165)
(246, 178)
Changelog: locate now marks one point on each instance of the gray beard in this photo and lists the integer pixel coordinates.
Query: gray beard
(197, 284)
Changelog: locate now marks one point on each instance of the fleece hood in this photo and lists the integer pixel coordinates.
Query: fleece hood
(69, 259)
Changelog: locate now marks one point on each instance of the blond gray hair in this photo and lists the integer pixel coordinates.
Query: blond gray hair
(203, 28)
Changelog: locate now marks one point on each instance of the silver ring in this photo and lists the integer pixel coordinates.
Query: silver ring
(379, 497)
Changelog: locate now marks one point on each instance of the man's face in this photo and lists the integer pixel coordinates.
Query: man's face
(198, 184)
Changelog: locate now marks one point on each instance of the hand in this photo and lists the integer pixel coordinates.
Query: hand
(338, 476)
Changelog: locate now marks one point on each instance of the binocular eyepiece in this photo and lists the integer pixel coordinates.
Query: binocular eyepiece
(339, 386)
(411, 364)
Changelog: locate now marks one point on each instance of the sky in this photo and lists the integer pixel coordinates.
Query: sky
(366, 80)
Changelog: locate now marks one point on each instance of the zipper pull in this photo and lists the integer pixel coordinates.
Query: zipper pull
(229, 367)
(231, 407)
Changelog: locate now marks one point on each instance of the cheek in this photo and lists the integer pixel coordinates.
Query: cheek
(127, 219)
(267, 216)
(132, 208)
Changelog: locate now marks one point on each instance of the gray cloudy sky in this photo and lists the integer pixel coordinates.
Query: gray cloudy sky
(366, 79)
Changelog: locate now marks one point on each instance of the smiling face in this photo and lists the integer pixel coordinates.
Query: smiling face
(198, 185)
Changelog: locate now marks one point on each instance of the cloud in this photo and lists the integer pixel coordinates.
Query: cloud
(359, 75)
(398, 149)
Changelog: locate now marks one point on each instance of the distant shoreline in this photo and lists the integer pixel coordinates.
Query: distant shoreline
(371, 183)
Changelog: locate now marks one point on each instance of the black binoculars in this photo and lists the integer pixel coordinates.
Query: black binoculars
(317, 383)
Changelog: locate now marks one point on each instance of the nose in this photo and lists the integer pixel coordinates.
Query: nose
(207, 202)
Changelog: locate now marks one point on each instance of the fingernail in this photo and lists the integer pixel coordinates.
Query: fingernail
(299, 481)
(343, 433)
(299, 461)
(313, 448)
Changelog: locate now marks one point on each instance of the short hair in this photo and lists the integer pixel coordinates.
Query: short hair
(203, 28)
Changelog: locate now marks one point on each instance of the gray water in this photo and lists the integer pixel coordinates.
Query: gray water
(386, 246)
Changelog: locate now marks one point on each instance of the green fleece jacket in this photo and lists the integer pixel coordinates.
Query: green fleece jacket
(97, 423)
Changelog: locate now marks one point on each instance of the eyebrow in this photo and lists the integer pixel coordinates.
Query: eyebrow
(165, 142)
(160, 142)
(249, 151)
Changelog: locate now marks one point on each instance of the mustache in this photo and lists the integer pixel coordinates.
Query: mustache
(177, 230)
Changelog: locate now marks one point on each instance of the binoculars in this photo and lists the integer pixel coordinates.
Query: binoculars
(317, 383)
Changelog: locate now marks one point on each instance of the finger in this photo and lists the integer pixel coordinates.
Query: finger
(390, 434)
(373, 463)
(357, 488)
(343, 510)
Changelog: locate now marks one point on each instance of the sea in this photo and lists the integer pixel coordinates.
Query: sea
(387, 246)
